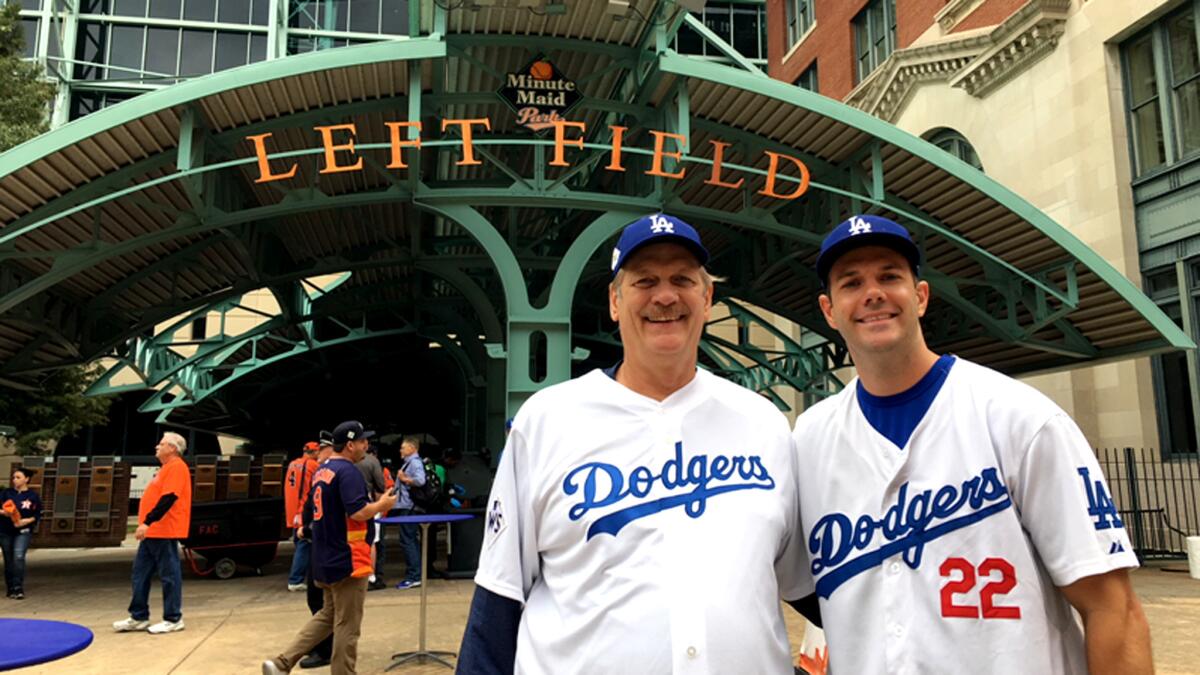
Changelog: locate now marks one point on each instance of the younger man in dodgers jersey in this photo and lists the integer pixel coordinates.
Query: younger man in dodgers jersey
(953, 515)
(643, 517)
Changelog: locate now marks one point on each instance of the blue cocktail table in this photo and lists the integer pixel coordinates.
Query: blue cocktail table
(29, 642)
(424, 520)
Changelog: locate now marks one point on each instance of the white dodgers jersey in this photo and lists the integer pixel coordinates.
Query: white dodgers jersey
(646, 536)
(944, 556)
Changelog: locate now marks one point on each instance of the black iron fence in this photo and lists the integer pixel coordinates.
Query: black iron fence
(1158, 499)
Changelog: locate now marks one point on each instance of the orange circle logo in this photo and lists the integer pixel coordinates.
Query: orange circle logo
(541, 70)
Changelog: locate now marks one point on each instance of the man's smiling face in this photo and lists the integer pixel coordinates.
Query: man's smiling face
(661, 302)
(874, 301)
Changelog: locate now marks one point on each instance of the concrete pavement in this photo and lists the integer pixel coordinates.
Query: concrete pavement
(233, 625)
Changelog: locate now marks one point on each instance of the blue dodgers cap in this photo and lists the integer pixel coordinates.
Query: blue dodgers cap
(866, 231)
(350, 431)
(656, 229)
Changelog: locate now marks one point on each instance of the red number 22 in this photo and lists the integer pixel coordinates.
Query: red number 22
(987, 595)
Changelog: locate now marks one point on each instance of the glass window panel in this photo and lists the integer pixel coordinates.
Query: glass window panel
(93, 6)
(233, 11)
(1143, 83)
(258, 48)
(395, 18)
(1187, 116)
(31, 4)
(30, 29)
(231, 50)
(745, 31)
(1181, 32)
(166, 9)
(364, 16)
(299, 45)
(89, 48)
(303, 16)
(1176, 398)
(162, 50)
(129, 7)
(200, 10)
(1161, 284)
(126, 51)
(55, 48)
(1148, 137)
(716, 17)
(331, 15)
(260, 12)
(83, 103)
(689, 41)
(196, 52)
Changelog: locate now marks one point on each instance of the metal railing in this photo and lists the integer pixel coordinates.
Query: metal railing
(1158, 499)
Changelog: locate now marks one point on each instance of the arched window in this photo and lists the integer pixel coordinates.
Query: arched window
(954, 143)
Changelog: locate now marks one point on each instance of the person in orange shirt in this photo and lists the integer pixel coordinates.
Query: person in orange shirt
(164, 516)
(296, 486)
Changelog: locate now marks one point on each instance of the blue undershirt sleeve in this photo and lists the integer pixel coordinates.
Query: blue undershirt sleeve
(489, 645)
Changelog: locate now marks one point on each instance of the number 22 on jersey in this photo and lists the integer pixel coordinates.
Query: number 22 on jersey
(965, 583)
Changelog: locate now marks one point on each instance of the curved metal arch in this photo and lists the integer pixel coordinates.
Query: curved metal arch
(877, 128)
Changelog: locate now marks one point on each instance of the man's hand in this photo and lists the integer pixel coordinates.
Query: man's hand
(296, 522)
(141, 531)
(403, 478)
(386, 502)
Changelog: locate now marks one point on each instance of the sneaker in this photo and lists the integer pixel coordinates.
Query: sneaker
(269, 668)
(314, 661)
(406, 584)
(292, 588)
(166, 627)
(376, 585)
(19, 595)
(130, 625)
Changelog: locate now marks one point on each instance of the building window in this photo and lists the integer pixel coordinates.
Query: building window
(808, 78)
(956, 144)
(800, 18)
(1173, 378)
(1162, 86)
(200, 328)
(351, 16)
(874, 36)
(741, 24)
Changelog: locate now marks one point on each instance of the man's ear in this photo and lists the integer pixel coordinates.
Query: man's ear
(612, 302)
(827, 310)
(922, 297)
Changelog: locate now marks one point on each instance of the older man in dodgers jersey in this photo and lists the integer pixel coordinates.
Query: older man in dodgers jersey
(642, 519)
(954, 516)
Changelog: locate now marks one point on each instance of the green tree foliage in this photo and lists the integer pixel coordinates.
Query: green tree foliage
(25, 95)
(56, 407)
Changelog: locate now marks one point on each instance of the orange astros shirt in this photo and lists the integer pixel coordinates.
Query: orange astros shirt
(175, 477)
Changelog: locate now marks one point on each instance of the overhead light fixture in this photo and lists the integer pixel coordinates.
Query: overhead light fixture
(619, 9)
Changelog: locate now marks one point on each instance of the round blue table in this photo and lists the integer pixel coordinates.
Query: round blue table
(424, 520)
(28, 642)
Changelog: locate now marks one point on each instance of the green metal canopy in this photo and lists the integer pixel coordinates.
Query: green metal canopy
(160, 208)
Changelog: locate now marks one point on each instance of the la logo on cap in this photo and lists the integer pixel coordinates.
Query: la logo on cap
(859, 226)
(659, 225)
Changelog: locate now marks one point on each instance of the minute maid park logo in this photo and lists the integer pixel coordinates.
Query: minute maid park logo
(539, 94)
(690, 483)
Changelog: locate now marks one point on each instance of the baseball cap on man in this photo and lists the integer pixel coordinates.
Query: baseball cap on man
(865, 231)
(656, 228)
(350, 431)
(326, 438)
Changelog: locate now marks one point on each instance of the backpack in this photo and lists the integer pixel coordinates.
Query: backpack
(427, 497)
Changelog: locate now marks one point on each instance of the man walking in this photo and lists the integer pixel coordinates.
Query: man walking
(643, 517)
(296, 486)
(372, 472)
(341, 557)
(164, 515)
(410, 475)
(955, 516)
